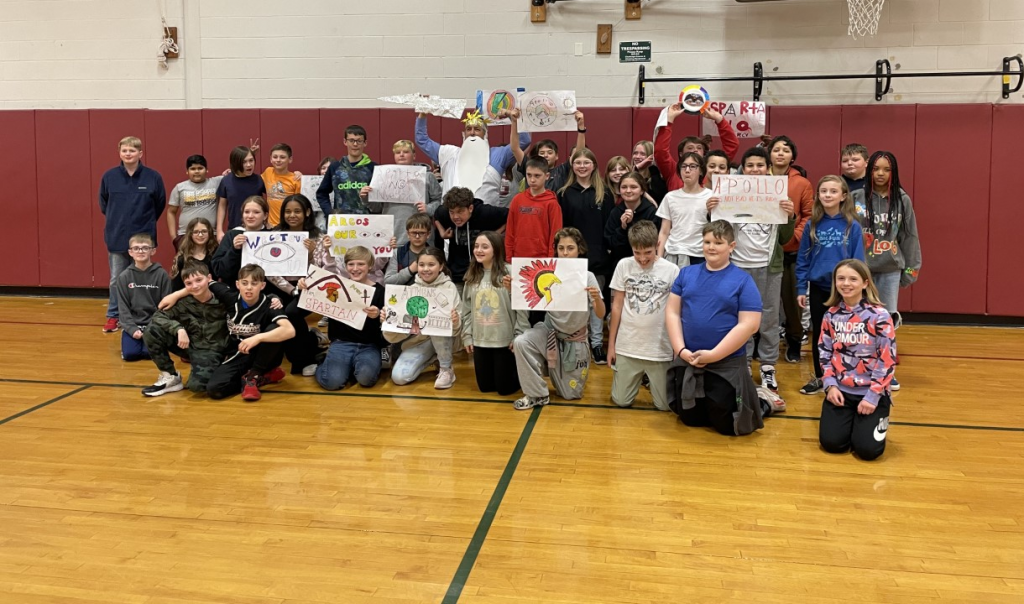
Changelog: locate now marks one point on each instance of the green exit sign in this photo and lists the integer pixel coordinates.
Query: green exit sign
(634, 52)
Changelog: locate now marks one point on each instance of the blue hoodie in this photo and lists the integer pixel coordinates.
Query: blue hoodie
(815, 262)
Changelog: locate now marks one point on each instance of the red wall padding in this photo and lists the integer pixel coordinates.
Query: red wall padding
(19, 245)
(66, 202)
(920, 136)
(953, 214)
(171, 136)
(1006, 214)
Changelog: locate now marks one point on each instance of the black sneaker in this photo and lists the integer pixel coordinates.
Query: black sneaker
(792, 352)
(812, 387)
(598, 353)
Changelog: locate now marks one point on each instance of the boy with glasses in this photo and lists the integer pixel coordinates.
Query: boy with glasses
(139, 290)
(349, 177)
(402, 268)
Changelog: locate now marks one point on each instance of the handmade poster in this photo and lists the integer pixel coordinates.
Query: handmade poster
(434, 105)
(371, 231)
(750, 199)
(553, 111)
(398, 184)
(309, 186)
(747, 118)
(336, 297)
(417, 310)
(490, 102)
(280, 253)
(549, 284)
(694, 99)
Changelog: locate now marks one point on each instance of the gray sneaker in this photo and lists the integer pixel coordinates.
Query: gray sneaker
(445, 379)
(165, 383)
(529, 402)
(812, 387)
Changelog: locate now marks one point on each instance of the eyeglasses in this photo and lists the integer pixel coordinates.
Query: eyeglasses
(418, 233)
(140, 248)
(355, 141)
(200, 232)
(688, 167)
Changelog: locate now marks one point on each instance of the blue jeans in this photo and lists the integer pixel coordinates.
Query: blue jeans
(411, 363)
(888, 285)
(345, 359)
(132, 349)
(118, 261)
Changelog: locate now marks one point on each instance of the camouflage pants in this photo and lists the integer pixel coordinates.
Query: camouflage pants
(161, 344)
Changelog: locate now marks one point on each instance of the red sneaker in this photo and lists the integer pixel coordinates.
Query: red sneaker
(111, 325)
(274, 376)
(251, 390)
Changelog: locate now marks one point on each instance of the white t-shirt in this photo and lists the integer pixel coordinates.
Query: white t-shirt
(641, 333)
(688, 213)
(754, 244)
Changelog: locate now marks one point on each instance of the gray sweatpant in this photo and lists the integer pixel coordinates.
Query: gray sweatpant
(770, 286)
(532, 364)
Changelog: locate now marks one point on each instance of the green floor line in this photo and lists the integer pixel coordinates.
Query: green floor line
(473, 549)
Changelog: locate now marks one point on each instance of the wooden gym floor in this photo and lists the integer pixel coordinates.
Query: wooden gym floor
(402, 495)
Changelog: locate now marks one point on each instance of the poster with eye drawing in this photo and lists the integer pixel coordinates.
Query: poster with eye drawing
(373, 232)
(417, 310)
(280, 253)
(553, 111)
(398, 184)
(549, 284)
(336, 297)
(746, 199)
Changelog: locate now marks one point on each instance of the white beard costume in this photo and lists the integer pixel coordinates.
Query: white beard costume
(470, 167)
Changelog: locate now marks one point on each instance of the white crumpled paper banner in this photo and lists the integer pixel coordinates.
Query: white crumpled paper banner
(434, 105)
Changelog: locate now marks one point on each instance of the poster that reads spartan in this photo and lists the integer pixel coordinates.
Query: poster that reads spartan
(549, 284)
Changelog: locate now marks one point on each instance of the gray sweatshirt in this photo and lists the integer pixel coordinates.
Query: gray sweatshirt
(488, 320)
(138, 294)
(891, 243)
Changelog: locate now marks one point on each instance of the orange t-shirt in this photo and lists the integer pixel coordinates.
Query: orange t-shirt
(278, 187)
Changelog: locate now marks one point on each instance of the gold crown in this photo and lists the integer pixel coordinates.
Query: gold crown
(475, 117)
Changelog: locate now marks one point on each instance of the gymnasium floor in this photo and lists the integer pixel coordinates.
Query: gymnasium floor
(402, 495)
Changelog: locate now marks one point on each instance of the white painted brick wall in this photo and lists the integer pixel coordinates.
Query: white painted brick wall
(342, 53)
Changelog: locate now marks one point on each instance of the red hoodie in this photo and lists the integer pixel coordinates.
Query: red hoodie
(665, 156)
(532, 224)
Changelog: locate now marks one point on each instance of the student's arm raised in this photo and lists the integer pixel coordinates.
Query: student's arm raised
(423, 140)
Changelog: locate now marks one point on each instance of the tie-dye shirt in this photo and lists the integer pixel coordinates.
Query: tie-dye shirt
(858, 350)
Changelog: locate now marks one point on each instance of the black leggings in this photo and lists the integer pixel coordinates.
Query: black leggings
(715, 409)
(495, 370)
(303, 348)
(843, 428)
(227, 377)
(816, 300)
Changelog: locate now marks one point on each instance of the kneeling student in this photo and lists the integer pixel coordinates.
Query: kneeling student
(637, 341)
(858, 357)
(714, 308)
(192, 326)
(139, 290)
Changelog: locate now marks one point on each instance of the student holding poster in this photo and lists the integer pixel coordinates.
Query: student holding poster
(667, 162)
(375, 233)
(428, 196)
(355, 353)
(759, 253)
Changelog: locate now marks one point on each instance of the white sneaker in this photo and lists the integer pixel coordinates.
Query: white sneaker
(165, 383)
(445, 379)
(768, 378)
(309, 370)
(777, 404)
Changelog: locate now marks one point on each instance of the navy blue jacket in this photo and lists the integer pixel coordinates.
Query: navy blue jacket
(132, 204)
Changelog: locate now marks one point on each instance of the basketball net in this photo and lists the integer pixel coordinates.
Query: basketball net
(864, 15)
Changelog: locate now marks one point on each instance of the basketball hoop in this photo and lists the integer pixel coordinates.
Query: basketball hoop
(864, 15)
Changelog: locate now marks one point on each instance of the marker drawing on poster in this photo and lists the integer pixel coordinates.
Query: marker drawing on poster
(490, 102)
(393, 183)
(373, 232)
(549, 284)
(417, 310)
(280, 253)
(553, 111)
(336, 297)
(747, 118)
(309, 186)
(750, 199)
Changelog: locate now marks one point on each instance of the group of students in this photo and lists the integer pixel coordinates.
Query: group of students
(692, 301)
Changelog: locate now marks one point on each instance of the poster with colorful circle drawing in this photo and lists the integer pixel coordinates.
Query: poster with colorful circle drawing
(490, 102)
(553, 111)
(417, 310)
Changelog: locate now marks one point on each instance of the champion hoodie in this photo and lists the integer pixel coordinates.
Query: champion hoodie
(139, 291)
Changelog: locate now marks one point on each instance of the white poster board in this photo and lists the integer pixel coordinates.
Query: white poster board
(553, 111)
(750, 199)
(417, 310)
(747, 118)
(336, 297)
(309, 186)
(280, 253)
(549, 284)
(398, 184)
(368, 230)
(490, 102)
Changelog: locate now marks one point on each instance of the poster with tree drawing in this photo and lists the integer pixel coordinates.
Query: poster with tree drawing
(280, 253)
(549, 284)
(553, 111)
(336, 297)
(398, 184)
(417, 310)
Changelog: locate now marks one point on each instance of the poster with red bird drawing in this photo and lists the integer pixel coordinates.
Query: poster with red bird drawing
(336, 297)
(549, 284)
